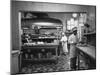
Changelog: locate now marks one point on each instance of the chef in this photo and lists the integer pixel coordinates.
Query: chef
(64, 43)
(73, 51)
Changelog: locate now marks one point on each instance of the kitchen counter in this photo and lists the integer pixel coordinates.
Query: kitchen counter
(89, 50)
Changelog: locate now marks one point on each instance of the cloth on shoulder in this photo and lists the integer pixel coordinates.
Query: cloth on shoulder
(72, 39)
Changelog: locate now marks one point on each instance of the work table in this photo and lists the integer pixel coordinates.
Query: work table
(89, 50)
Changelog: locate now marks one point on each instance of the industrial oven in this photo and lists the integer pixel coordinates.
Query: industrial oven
(40, 40)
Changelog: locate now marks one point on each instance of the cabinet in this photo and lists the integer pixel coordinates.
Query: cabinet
(15, 63)
(87, 56)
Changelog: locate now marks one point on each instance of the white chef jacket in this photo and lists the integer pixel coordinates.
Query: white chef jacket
(72, 39)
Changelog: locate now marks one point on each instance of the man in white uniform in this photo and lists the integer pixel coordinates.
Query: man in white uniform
(73, 51)
(64, 43)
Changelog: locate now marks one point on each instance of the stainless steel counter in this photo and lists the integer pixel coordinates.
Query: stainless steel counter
(89, 50)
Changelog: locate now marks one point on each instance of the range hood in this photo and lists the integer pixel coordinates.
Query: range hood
(42, 22)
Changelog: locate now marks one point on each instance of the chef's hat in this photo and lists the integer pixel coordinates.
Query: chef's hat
(63, 33)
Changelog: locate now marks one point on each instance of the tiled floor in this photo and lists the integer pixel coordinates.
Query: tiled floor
(62, 65)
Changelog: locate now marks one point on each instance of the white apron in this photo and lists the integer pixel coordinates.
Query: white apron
(73, 40)
(73, 51)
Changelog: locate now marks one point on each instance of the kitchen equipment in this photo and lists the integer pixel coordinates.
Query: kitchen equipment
(26, 56)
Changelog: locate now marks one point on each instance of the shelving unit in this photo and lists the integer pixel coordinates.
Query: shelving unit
(91, 33)
(91, 38)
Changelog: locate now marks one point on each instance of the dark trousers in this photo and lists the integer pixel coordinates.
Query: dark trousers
(73, 63)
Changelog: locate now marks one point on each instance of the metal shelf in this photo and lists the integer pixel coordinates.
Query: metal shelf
(92, 33)
(41, 59)
(46, 38)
